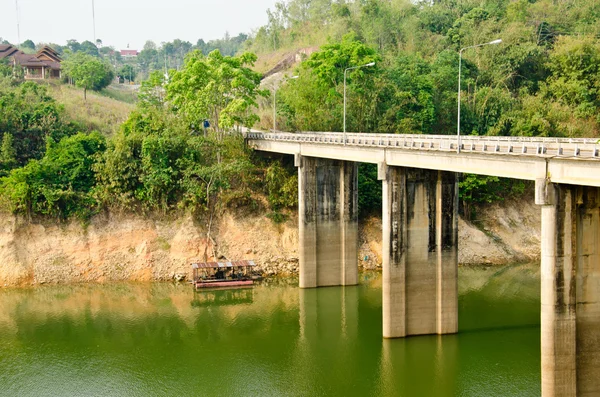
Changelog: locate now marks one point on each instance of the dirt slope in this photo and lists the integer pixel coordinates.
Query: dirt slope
(114, 248)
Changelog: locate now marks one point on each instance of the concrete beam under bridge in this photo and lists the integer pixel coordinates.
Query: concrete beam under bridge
(328, 222)
(584, 172)
(570, 280)
(420, 252)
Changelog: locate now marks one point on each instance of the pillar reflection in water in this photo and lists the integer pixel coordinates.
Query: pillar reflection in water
(419, 366)
(327, 313)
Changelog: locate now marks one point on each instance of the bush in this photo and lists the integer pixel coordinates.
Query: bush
(60, 184)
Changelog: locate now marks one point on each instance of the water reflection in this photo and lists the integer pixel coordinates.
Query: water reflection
(274, 339)
(228, 297)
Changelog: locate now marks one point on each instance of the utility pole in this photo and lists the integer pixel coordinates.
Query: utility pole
(94, 20)
(18, 23)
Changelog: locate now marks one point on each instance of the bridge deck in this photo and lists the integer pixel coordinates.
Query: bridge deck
(562, 160)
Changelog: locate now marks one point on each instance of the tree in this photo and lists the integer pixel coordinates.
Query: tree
(30, 115)
(316, 98)
(222, 89)
(73, 45)
(152, 92)
(58, 185)
(8, 154)
(89, 48)
(127, 72)
(88, 72)
(5, 68)
(28, 45)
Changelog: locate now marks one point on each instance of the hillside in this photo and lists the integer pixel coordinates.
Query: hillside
(100, 112)
(540, 80)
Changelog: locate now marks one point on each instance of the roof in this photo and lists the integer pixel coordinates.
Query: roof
(129, 52)
(48, 52)
(28, 60)
(7, 50)
(217, 265)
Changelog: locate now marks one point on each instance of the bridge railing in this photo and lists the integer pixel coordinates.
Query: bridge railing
(552, 147)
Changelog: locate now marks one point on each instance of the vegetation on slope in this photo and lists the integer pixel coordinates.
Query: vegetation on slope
(541, 81)
(160, 160)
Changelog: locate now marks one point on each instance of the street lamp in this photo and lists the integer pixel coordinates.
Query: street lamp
(498, 41)
(346, 71)
(275, 103)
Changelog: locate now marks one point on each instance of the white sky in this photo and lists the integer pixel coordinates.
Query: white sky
(119, 22)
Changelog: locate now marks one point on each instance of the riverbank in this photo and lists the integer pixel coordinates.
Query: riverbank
(126, 247)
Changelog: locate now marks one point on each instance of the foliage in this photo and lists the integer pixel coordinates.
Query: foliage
(156, 165)
(6, 69)
(127, 72)
(28, 44)
(476, 190)
(31, 116)
(315, 98)
(370, 190)
(8, 154)
(152, 91)
(59, 184)
(88, 72)
(541, 81)
(281, 186)
(221, 89)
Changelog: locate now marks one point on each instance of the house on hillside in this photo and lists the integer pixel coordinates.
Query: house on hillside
(45, 64)
(129, 53)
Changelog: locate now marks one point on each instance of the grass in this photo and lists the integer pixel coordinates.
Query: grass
(120, 93)
(103, 112)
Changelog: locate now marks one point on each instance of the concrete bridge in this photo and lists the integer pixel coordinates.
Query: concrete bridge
(420, 231)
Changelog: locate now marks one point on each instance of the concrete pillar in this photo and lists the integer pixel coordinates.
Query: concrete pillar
(328, 222)
(420, 256)
(570, 289)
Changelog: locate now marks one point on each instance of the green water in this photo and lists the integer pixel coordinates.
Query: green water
(272, 340)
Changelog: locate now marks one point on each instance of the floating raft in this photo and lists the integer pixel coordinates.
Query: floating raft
(222, 265)
(211, 282)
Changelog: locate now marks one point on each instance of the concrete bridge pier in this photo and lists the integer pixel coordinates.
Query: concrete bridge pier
(420, 251)
(328, 221)
(570, 289)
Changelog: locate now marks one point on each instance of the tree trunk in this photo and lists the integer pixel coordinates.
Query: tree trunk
(85, 94)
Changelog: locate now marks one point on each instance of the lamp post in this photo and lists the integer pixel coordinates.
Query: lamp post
(275, 103)
(346, 71)
(498, 41)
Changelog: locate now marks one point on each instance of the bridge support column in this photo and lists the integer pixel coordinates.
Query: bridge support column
(328, 222)
(570, 289)
(420, 255)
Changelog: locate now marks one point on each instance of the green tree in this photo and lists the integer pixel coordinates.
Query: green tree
(315, 99)
(6, 69)
(30, 115)
(89, 48)
(152, 91)
(28, 45)
(60, 184)
(127, 72)
(8, 154)
(575, 79)
(88, 72)
(221, 89)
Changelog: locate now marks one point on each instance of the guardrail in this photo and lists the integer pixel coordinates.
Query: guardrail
(584, 148)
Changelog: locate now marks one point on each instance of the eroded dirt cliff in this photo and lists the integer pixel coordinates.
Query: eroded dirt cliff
(112, 248)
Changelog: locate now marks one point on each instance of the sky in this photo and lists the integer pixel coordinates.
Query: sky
(133, 22)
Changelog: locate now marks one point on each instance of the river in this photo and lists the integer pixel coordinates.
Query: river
(162, 339)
